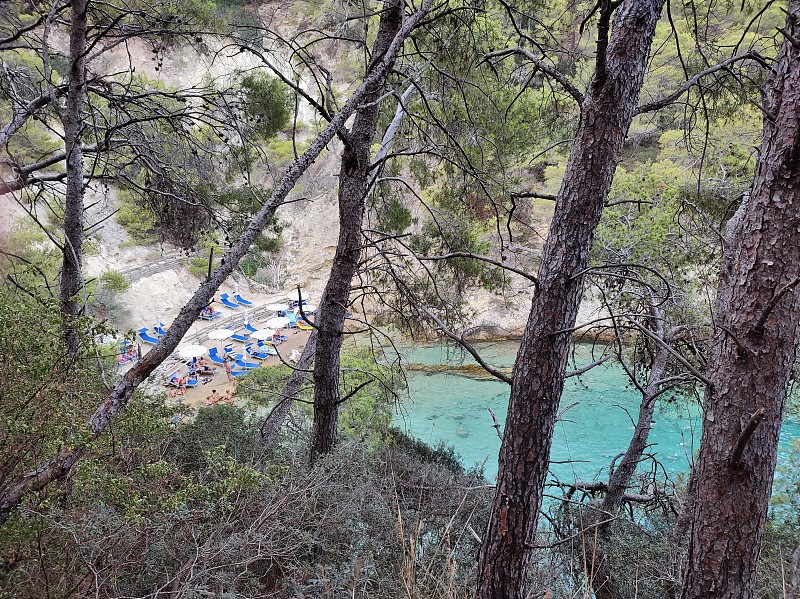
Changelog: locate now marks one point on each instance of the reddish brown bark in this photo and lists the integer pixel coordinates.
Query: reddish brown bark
(538, 377)
(354, 177)
(751, 352)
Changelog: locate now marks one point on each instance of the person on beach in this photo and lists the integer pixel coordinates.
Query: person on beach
(228, 370)
(180, 388)
(203, 367)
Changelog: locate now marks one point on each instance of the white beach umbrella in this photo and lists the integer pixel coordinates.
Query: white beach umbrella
(262, 334)
(192, 351)
(278, 322)
(276, 307)
(220, 334)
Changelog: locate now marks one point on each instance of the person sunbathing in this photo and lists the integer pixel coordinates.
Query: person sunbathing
(180, 387)
(203, 367)
(209, 312)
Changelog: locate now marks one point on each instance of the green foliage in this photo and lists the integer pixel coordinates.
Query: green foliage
(31, 142)
(35, 267)
(282, 151)
(452, 229)
(243, 203)
(151, 498)
(262, 385)
(393, 216)
(138, 221)
(644, 229)
(241, 18)
(726, 157)
(47, 393)
(103, 295)
(199, 264)
(366, 415)
(225, 427)
(266, 105)
(173, 20)
(441, 454)
(113, 281)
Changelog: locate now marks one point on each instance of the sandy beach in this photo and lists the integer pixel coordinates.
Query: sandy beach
(195, 397)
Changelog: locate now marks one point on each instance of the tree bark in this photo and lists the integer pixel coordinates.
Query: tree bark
(58, 465)
(751, 352)
(71, 275)
(538, 376)
(273, 423)
(354, 178)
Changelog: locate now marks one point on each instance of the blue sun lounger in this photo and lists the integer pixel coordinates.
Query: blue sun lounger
(214, 356)
(242, 364)
(250, 327)
(253, 353)
(227, 302)
(144, 335)
(173, 381)
(240, 338)
(241, 300)
(205, 314)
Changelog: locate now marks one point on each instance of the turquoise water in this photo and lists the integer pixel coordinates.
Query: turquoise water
(451, 407)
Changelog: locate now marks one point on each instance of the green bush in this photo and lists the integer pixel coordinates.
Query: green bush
(267, 104)
(198, 265)
(113, 281)
(139, 222)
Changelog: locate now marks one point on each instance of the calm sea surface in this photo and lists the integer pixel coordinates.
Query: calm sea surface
(451, 407)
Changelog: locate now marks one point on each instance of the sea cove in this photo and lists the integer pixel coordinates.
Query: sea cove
(600, 407)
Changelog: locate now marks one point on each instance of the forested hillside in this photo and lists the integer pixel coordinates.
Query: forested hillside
(616, 173)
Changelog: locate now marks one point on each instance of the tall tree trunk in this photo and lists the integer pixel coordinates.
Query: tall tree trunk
(751, 351)
(538, 376)
(59, 464)
(71, 276)
(274, 421)
(353, 182)
(276, 418)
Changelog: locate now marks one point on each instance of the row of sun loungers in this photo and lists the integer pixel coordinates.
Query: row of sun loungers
(160, 329)
(234, 303)
(249, 357)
